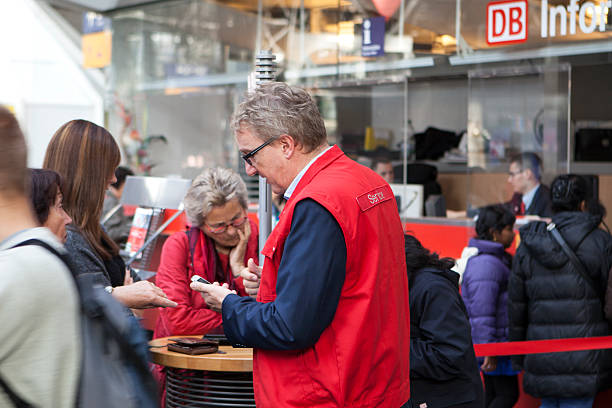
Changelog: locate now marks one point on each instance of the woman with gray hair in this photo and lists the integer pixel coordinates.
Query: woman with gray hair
(217, 246)
(219, 243)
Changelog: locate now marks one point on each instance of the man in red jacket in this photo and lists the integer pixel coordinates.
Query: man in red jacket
(330, 326)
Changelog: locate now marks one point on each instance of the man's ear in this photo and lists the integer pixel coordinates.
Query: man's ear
(288, 145)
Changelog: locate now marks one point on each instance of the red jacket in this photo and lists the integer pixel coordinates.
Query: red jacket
(191, 316)
(361, 358)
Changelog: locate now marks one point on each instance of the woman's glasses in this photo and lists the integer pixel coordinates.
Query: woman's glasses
(222, 227)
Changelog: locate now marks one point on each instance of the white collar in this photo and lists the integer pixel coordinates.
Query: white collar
(528, 196)
(297, 178)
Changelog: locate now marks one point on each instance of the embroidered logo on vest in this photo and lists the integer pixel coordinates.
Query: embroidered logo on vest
(374, 197)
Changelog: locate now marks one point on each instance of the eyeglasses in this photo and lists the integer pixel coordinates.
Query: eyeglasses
(221, 228)
(247, 156)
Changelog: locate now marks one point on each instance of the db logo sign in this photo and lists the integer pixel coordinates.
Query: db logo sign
(506, 22)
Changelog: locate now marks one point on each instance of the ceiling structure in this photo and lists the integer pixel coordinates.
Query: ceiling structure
(429, 24)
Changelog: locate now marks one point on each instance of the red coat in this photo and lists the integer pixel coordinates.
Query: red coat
(191, 316)
(362, 357)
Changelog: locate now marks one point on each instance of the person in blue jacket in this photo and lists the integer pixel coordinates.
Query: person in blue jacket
(443, 368)
(485, 294)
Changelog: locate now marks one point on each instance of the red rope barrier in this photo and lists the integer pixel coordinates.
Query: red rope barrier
(542, 346)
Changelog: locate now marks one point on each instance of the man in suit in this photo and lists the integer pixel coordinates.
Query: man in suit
(530, 197)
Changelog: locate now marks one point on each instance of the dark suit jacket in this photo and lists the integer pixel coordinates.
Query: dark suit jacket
(540, 205)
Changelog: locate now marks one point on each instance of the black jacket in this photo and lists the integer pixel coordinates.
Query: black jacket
(540, 205)
(549, 299)
(443, 367)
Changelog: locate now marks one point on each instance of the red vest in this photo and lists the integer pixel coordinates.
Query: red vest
(361, 358)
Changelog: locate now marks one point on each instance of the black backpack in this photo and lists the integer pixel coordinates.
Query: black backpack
(113, 372)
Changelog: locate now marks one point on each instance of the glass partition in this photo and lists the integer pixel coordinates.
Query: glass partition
(510, 111)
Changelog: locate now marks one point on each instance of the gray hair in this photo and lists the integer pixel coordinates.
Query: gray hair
(213, 188)
(275, 108)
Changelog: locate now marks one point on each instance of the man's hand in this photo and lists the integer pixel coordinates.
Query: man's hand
(236, 255)
(489, 364)
(251, 276)
(142, 295)
(213, 294)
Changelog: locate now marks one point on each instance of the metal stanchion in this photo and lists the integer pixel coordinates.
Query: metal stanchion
(265, 67)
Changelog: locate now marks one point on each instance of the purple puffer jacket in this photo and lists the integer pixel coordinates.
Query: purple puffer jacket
(485, 291)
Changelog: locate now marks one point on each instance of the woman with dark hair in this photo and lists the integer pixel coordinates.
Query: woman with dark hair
(485, 292)
(443, 368)
(85, 155)
(550, 299)
(46, 196)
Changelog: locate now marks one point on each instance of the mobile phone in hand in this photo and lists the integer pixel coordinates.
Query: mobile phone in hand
(198, 278)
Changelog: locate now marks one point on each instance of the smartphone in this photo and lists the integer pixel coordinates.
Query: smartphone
(198, 278)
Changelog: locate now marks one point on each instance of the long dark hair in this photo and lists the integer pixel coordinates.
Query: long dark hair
(493, 217)
(44, 186)
(86, 156)
(418, 257)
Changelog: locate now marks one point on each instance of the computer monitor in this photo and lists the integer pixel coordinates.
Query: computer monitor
(409, 199)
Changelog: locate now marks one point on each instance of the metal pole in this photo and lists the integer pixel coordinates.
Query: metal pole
(109, 214)
(264, 72)
(401, 24)
(458, 26)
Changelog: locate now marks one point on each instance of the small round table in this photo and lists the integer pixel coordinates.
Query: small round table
(222, 379)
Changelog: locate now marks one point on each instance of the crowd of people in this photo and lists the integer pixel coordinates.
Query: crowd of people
(347, 310)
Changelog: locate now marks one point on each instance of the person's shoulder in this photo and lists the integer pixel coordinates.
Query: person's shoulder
(544, 189)
(79, 249)
(34, 261)
(39, 233)
(179, 239)
(175, 247)
(432, 280)
(482, 263)
(75, 239)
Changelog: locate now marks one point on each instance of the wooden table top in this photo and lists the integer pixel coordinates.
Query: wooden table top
(232, 359)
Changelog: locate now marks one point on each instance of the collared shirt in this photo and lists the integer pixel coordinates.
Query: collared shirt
(297, 178)
(528, 196)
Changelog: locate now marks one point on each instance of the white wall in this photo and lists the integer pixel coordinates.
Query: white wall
(40, 75)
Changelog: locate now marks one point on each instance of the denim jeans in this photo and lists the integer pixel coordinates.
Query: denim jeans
(567, 402)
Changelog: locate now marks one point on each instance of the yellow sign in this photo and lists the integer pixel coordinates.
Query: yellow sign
(97, 49)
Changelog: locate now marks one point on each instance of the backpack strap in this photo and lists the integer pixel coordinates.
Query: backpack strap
(91, 307)
(16, 399)
(578, 265)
